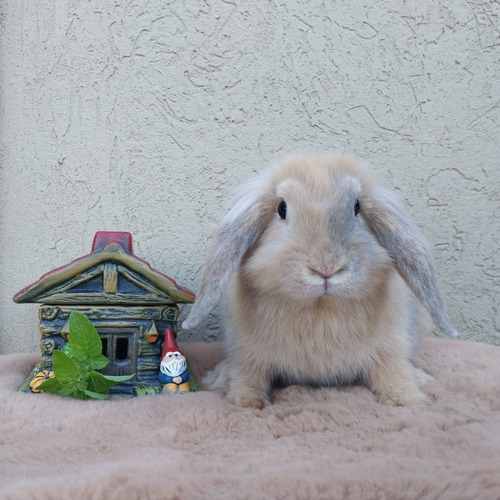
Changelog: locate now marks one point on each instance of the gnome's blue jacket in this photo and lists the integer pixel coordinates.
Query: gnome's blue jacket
(165, 379)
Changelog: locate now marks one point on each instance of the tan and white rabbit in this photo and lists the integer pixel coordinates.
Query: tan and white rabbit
(328, 282)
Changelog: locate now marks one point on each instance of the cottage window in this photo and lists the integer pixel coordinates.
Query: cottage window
(104, 341)
(119, 345)
(121, 353)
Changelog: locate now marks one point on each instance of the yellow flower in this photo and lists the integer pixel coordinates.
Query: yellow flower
(39, 378)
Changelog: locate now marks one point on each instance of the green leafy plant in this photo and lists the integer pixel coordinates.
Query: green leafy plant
(75, 366)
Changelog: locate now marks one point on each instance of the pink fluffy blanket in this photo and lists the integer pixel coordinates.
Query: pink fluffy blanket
(310, 443)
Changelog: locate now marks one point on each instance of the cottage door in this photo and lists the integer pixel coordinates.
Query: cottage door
(120, 346)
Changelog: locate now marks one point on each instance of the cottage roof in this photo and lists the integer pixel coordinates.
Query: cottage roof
(117, 277)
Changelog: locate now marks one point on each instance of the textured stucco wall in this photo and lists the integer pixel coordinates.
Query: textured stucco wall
(142, 116)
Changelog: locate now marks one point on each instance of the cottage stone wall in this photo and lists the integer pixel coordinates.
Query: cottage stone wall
(143, 116)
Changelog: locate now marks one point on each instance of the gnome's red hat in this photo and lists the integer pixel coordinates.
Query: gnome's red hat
(169, 343)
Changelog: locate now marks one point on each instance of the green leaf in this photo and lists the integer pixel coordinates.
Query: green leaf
(99, 383)
(80, 395)
(118, 378)
(96, 395)
(66, 350)
(102, 383)
(49, 385)
(99, 363)
(84, 341)
(64, 367)
(73, 388)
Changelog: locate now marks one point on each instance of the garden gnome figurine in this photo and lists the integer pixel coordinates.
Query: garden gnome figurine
(174, 373)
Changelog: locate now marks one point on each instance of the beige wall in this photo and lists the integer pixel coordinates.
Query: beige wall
(142, 116)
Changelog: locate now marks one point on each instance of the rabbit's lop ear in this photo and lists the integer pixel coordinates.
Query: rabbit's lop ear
(396, 232)
(238, 231)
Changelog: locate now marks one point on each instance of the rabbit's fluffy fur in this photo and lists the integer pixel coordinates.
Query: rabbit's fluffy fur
(328, 282)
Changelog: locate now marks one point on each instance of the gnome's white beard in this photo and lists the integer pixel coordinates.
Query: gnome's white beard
(174, 367)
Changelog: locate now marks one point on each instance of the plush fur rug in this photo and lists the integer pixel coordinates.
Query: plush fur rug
(310, 444)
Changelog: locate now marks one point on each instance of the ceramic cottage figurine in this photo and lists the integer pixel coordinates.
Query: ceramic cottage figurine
(127, 301)
(174, 373)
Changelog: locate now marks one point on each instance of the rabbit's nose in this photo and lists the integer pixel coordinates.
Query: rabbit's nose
(328, 271)
(316, 272)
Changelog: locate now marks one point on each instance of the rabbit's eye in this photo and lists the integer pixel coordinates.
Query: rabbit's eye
(282, 209)
(357, 207)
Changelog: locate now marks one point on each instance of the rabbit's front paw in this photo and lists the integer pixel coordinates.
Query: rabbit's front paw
(405, 398)
(421, 377)
(248, 398)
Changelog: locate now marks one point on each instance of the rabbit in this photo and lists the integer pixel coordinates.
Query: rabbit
(327, 282)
